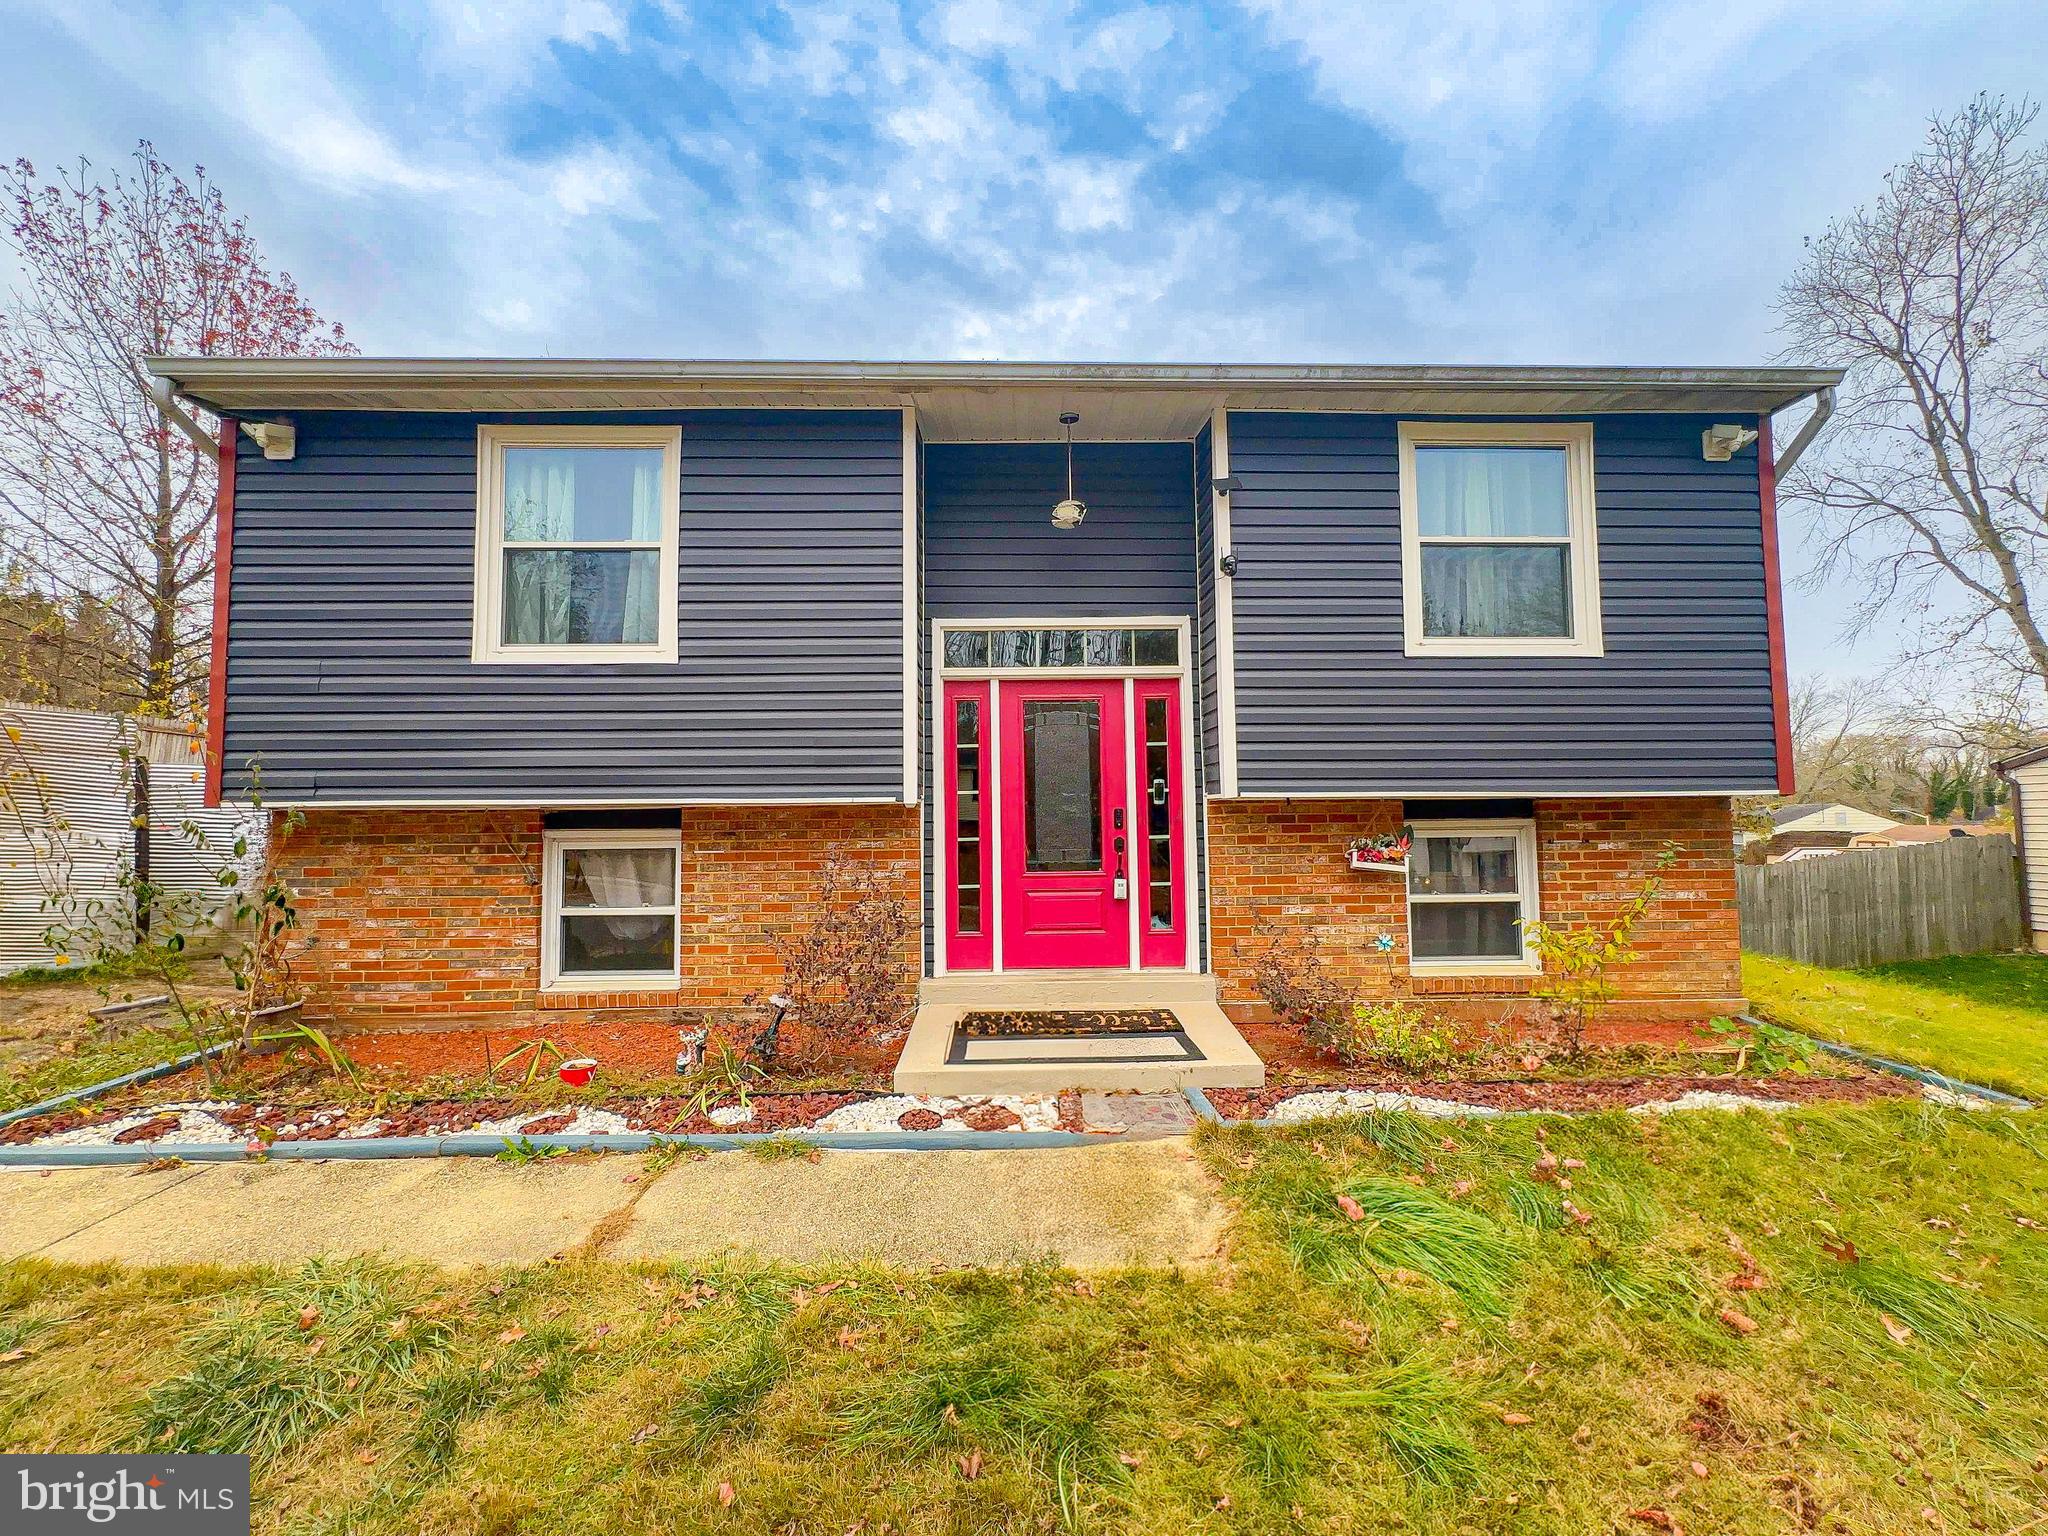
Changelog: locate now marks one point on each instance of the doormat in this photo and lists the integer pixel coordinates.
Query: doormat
(1065, 1023)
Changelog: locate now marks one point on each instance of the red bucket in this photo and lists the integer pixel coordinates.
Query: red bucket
(577, 1073)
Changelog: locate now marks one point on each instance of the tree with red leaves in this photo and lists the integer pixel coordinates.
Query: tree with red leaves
(103, 500)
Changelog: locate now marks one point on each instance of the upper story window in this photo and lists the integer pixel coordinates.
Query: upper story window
(576, 544)
(1499, 551)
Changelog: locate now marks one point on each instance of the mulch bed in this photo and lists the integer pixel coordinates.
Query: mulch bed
(1572, 1097)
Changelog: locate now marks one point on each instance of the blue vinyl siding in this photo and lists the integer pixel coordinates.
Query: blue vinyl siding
(1327, 701)
(349, 670)
(992, 551)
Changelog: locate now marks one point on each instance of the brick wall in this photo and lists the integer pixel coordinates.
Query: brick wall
(410, 916)
(1282, 862)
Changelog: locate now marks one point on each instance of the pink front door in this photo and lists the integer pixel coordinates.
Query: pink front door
(1067, 874)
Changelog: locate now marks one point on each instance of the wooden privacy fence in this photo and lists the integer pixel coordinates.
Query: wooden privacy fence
(1865, 906)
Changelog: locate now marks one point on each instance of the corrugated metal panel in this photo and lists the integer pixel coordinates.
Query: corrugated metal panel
(64, 824)
(179, 861)
(1327, 701)
(349, 669)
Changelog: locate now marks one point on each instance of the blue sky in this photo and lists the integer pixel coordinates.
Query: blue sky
(1535, 181)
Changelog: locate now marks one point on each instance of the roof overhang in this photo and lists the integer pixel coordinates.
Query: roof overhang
(972, 402)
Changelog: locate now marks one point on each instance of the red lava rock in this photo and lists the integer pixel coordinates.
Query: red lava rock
(985, 1117)
(155, 1128)
(920, 1120)
(547, 1125)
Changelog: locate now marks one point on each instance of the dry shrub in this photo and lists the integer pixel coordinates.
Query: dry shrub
(843, 968)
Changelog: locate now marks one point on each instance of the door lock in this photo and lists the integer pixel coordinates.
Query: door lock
(1120, 886)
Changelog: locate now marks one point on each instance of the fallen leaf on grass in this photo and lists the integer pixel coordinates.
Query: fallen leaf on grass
(308, 1316)
(367, 1458)
(512, 1335)
(1741, 1322)
(970, 1465)
(1583, 1218)
(1655, 1519)
(1840, 1249)
(645, 1433)
(1898, 1330)
(13, 1356)
(1516, 1420)
(1699, 1470)
(726, 1494)
(1461, 1189)
(1130, 1459)
(1449, 1325)
(1352, 1210)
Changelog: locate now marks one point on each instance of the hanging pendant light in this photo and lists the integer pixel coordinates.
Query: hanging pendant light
(1068, 513)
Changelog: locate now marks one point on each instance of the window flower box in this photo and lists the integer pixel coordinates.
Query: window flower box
(1389, 851)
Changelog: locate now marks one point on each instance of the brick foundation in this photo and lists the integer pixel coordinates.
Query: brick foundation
(1282, 862)
(410, 917)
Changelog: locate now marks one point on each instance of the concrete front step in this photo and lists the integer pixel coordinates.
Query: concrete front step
(1225, 1060)
(1069, 989)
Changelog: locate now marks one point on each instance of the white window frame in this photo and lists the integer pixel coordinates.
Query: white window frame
(553, 845)
(487, 645)
(1582, 526)
(1525, 897)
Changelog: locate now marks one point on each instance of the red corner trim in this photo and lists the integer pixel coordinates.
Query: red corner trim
(1774, 606)
(223, 566)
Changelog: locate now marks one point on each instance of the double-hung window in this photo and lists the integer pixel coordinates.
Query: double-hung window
(1499, 550)
(1471, 884)
(576, 544)
(609, 913)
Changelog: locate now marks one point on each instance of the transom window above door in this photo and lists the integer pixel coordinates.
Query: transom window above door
(1499, 548)
(576, 544)
(998, 650)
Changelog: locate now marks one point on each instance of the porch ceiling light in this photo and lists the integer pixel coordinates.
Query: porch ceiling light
(1068, 513)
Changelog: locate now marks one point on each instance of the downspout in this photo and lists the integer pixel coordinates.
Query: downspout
(1823, 408)
(165, 394)
(2019, 836)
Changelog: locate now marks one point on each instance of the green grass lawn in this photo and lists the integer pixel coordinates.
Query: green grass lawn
(1461, 1353)
(1983, 1018)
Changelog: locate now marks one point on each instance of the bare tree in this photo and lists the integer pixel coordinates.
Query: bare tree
(1935, 298)
(107, 503)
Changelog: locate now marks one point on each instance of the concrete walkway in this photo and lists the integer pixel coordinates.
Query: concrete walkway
(1145, 1202)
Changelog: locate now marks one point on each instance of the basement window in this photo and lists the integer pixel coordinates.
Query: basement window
(611, 900)
(1471, 885)
(576, 544)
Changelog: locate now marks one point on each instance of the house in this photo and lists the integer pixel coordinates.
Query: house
(581, 671)
(1830, 817)
(2027, 773)
(1937, 832)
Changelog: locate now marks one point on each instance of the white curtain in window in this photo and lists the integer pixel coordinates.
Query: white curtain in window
(630, 877)
(575, 495)
(1491, 493)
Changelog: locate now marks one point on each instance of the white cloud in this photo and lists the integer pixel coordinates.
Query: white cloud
(500, 40)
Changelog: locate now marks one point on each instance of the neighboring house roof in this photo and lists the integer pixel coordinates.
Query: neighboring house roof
(2022, 759)
(1941, 831)
(974, 402)
(1828, 815)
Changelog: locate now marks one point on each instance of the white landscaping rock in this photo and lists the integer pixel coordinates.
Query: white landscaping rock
(196, 1123)
(585, 1122)
(1038, 1112)
(731, 1114)
(1703, 1098)
(1357, 1101)
(1948, 1098)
